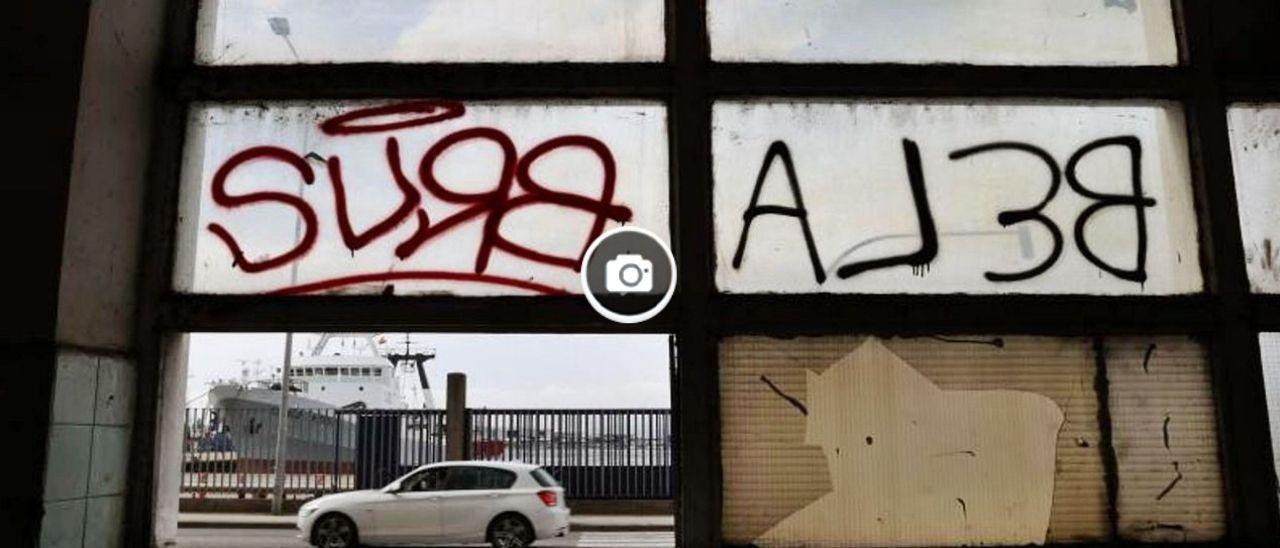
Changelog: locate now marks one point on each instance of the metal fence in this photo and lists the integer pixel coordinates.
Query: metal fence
(597, 454)
(391, 442)
(231, 452)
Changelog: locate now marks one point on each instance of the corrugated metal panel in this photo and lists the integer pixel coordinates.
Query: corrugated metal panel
(1270, 346)
(769, 473)
(1166, 440)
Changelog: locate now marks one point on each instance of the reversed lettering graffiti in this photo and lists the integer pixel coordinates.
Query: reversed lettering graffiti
(419, 190)
(928, 232)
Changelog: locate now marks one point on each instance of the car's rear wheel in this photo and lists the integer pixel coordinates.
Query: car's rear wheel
(334, 531)
(510, 531)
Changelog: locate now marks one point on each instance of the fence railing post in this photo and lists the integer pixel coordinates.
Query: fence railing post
(596, 453)
(456, 420)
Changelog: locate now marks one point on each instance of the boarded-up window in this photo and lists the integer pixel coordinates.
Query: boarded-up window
(974, 439)
(995, 32)
(239, 32)
(953, 197)
(412, 197)
(1255, 146)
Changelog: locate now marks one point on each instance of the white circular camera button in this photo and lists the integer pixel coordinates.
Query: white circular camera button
(628, 275)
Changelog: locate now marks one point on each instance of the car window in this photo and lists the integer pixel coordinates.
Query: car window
(544, 478)
(494, 478)
(428, 480)
(463, 478)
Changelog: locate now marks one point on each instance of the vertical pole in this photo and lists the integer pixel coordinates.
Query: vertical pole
(456, 419)
(282, 428)
(337, 449)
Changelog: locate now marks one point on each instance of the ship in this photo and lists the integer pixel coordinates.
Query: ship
(342, 372)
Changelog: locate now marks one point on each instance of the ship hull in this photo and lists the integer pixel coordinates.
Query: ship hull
(250, 417)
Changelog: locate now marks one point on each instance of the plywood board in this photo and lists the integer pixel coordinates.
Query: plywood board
(770, 472)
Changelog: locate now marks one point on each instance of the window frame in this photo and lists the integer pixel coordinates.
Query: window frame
(444, 470)
(1226, 315)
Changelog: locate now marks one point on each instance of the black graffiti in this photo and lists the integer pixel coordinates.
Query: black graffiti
(1015, 216)
(996, 342)
(928, 231)
(794, 402)
(1102, 201)
(779, 150)
(924, 216)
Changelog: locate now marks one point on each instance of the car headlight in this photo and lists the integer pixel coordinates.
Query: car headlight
(306, 511)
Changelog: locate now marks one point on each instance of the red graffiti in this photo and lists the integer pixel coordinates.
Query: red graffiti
(483, 201)
(601, 208)
(492, 205)
(410, 203)
(433, 111)
(229, 201)
(418, 275)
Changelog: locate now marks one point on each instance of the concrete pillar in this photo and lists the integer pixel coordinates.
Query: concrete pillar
(170, 436)
(457, 447)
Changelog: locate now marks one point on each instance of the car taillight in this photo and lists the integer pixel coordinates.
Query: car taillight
(548, 497)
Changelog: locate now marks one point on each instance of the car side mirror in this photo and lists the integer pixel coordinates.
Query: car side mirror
(392, 488)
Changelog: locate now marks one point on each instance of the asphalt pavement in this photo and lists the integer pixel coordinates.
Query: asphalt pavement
(191, 537)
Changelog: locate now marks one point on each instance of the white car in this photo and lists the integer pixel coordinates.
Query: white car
(507, 504)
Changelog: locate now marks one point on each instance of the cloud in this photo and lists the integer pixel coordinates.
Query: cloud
(535, 30)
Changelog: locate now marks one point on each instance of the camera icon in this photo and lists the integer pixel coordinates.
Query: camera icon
(628, 274)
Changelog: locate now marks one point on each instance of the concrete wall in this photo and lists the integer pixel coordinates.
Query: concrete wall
(93, 393)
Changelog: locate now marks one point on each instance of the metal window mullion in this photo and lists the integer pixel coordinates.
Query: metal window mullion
(472, 81)
(1239, 389)
(942, 80)
(1252, 89)
(514, 314)
(1266, 312)
(656, 80)
(696, 405)
(155, 269)
(818, 314)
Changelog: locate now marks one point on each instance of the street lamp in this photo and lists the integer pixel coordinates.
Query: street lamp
(280, 26)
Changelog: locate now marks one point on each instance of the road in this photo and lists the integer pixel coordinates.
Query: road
(284, 538)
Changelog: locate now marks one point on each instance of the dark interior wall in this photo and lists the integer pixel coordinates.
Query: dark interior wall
(43, 47)
(1247, 37)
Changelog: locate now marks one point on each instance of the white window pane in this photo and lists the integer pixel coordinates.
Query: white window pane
(236, 32)
(1255, 145)
(542, 178)
(908, 198)
(995, 32)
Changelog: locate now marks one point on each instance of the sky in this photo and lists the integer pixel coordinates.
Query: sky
(503, 371)
(984, 31)
(237, 32)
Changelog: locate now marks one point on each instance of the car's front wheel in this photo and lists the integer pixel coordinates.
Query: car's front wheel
(334, 531)
(510, 531)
